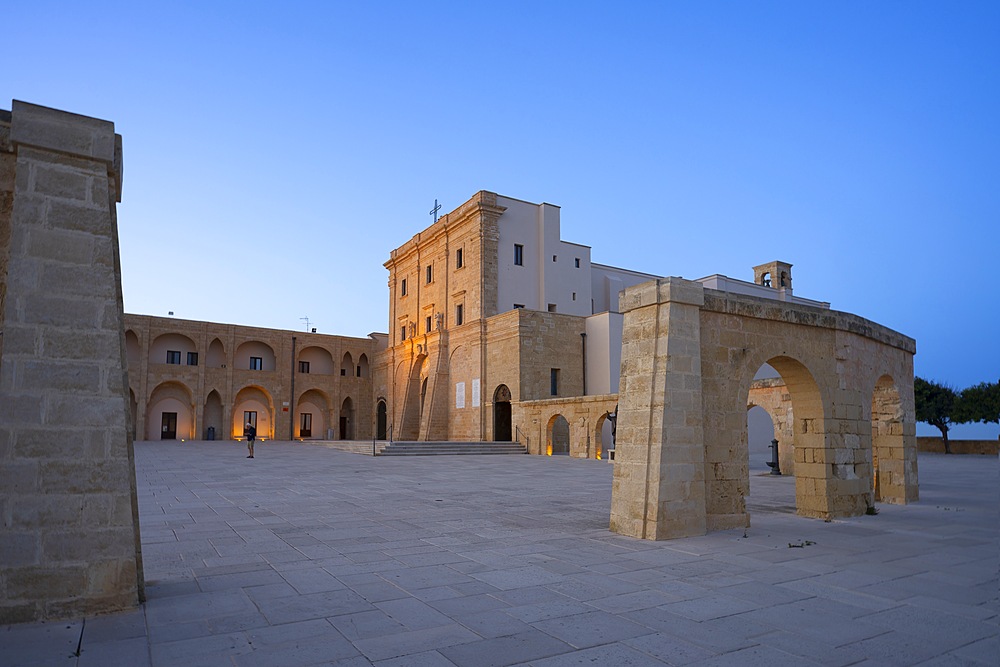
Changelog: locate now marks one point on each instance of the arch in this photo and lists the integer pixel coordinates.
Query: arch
(347, 365)
(310, 415)
(363, 369)
(409, 426)
(170, 398)
(257, 400)
(319, 359)
(602, 435)
(216, 354)
(347, 419)
(213, 415)
(163, 346)
(254, 349)
(502, 415)
(887, 438)
(132, 352)
(557, 435)
(381, 427)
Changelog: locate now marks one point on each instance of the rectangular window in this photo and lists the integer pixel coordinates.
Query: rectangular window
(458, 259)
(554, 381)
(459, 314)
(303, 366)
(553, 258)
(427, 324)
(343, 372)
(359, 371)
(518, 254)
(576, 263)
(402, 287)
(519, 305)
(250, 417)
(305, 425)
(574, 296)
(256, 363)
(174, 357)
(552, 307)
(402, 333)
(430, 273)
(192, 358)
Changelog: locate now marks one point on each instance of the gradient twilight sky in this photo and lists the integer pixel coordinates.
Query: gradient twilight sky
(274, 154)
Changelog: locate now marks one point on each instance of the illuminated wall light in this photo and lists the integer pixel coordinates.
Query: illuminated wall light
(548, 449)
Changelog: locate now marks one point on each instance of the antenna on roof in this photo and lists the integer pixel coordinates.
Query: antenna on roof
(306, 320)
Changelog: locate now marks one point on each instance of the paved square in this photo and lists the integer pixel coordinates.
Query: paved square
(307, 555)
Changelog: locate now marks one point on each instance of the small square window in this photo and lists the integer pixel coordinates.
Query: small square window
(518, 305)
(174, 357)
(303, 366)
(256, 363)
(459, 314)
(343, 372)
(553, 258)
(552, 307)
(430, 273)
(518, 254)
(402, 287)
(458, 259)
(192, 358)
(576, 263)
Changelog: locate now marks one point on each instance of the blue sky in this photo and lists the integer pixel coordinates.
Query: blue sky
(274, 155)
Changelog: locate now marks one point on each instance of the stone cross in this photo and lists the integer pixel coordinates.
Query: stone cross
(434, 211)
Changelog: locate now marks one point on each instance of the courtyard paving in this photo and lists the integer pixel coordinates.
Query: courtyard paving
(308, 555)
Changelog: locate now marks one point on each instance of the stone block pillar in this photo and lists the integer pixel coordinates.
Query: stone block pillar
(69, 533)
(658, 490)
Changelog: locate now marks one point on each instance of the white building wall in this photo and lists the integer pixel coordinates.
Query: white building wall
(608, 281)
(604, 352)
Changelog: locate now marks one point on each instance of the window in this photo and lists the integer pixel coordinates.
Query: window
(518, 254)
(427, 324)
(576, 263)
(554, 381)
(192, 358)
(459, 259)
(250, 417)
(402, 287)
(574, 296)
(402, 333)
(173, 357)
(359, 371)
(343, 372)
(303, 366)
(256, 363)
(553, 258)
(430, 273)
(305, 425)
(518, 305)
(552, 307)
(459, 314)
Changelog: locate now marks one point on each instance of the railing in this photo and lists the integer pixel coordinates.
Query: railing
(518, 434)
(374, 452)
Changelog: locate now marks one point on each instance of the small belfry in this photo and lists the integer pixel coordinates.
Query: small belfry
(773, 274)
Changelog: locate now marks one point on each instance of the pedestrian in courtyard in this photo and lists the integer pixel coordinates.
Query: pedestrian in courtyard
(250, 432)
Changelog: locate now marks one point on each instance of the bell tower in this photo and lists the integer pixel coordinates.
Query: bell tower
(774, 274)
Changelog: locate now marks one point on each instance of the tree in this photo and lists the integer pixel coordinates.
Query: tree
(979, 403)
(935, 404)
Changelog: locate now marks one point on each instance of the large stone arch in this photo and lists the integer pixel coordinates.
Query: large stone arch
(315, 404)
(319, 360)
(170, 398)
(163, 346)
(253, 398)
(689, 355)
(214, 416)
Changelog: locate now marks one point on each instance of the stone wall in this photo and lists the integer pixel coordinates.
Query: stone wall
(935, 445)
(70, 540)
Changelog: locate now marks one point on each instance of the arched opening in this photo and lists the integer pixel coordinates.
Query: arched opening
(381, 419)
(347, 365)
(558, 436)
(315, 361)
(254, 405)
(216, 354)
(347, 419)
(603, 442)
(887, 441)
(132, 349)
(170, 415)
(254, 355)
(310, 415)
(363, 370)
(502, 429)
(409, 424)
(760, 433)
(213, 416)
(174, 349)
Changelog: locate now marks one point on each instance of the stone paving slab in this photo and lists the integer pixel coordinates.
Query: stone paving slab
(312, 555)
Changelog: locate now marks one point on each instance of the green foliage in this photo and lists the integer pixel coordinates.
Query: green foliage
(979, 403)
(935, 405)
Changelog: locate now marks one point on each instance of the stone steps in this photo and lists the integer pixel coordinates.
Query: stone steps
(452, 448)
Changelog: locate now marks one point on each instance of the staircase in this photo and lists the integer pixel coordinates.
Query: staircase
(452, 448)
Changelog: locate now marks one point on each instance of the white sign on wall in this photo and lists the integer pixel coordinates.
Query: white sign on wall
(475, 393)
(459, 395)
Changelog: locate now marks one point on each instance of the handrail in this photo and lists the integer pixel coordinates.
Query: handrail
(517, 436)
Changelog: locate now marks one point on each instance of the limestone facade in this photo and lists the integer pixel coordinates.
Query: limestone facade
(69, 544)
(191, 380)
(689, 356)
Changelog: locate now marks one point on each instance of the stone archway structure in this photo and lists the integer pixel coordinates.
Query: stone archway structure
(689, 355)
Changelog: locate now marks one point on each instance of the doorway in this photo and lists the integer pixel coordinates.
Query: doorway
(502, 429)
(168, 430)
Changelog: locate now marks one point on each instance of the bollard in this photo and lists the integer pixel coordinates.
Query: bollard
(773, 463)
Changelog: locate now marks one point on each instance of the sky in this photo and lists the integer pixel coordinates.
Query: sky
(275, 153)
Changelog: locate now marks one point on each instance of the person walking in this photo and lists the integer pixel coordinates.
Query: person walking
(251, 434)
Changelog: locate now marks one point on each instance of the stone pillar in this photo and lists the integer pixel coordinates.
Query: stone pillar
(658, 490)
(70, 534)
